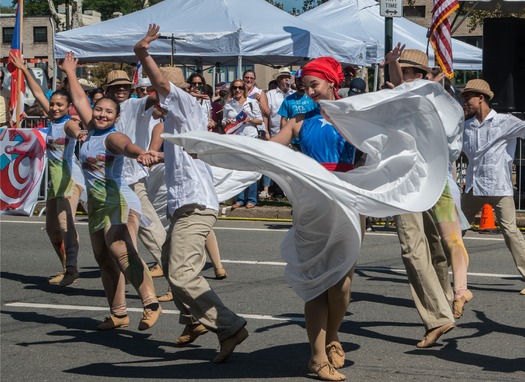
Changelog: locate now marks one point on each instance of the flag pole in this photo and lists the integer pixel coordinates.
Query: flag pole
(19, 104)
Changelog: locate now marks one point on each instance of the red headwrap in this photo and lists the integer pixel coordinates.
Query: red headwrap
(325, 68)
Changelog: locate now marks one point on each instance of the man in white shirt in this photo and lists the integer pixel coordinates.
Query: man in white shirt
(193, 207)
(276, 98)
(489, 142)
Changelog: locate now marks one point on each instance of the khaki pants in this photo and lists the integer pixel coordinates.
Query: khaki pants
(183, 258)
(506, 215)
(154, 235)
(427, 268)
(60, 226)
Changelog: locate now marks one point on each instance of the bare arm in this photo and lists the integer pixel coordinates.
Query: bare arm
(394, 69)
(78, 95)
(73, 130)
(148, 63)
(289, 131)
(33, 85)
(119, 143)
(156, 140)
(263, 104)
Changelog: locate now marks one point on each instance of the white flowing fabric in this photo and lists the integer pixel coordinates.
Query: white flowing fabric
(228, 183)
(404, 136)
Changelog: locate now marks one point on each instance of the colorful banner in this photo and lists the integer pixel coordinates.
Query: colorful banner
(22, 162)
(236, 123)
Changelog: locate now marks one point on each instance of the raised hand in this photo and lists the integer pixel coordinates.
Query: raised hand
(393, 55)
(69, 63)
(18, 62)
(151, 35)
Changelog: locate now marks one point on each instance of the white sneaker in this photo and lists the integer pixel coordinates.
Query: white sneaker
(264, 195)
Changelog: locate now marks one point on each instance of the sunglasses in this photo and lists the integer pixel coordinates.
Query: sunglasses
(196, 84)
(238, 87)
(143, 90)
(249, 78)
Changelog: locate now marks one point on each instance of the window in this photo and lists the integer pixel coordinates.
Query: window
(7, 35)
(39, 34)
(415, 11)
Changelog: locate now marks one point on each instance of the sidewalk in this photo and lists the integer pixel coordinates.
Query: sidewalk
(283, 211)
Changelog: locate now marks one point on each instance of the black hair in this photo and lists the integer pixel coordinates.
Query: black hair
(96, 91)
(62, 93)
(249, 71)
(112, 99)
(193, 75)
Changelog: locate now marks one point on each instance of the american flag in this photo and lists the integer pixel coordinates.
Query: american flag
(17, 77)
(440, 37)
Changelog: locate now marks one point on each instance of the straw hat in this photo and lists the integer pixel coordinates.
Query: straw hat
(175, 76)
(413, 58)
(142, 82)
(117, 77)
(282, 72)
(478, 86)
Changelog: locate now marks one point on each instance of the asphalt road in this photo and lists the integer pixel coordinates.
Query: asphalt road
(47, 332)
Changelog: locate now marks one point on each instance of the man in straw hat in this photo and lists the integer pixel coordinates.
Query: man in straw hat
(489, 142)
(193, 207)
(135, 117)
(276, 98)
(423, 255)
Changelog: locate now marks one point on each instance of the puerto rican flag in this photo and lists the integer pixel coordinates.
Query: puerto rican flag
(237, 123)
(16, 75)
(138, 73)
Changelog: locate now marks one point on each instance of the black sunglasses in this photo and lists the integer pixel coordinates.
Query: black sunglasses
(238, 87)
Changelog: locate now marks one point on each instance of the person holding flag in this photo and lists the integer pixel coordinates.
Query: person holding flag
(16, 103)
(240, 117)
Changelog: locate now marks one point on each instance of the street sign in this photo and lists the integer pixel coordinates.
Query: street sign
(391, 8)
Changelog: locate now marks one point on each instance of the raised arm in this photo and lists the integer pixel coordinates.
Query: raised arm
(149, 65)
(33, 85)
(78, 95)
(394, 69)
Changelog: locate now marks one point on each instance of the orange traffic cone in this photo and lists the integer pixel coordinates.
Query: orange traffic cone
(486, 223)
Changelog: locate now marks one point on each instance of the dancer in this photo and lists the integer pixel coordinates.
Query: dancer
(322, 142)
(66, 179)
(113, 208)
(193, 208)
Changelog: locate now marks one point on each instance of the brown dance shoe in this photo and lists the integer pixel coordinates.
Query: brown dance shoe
(156, 271)
(149, 317)
(522, 291)
(326, 372)
(458, 306)
(190, 334)
(113, 322)
(432, 335)
(56, 279)
(229, 344)
(220, 273)
(167, 297)
(336, 354)
(69, 278)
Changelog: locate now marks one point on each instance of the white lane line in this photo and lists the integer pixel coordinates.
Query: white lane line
(166, 311)
(273, 230)
(373, 269)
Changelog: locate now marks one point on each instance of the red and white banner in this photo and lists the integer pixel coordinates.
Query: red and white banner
(22, 162)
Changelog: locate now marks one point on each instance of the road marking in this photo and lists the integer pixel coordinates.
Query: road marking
(164, 311)
(373, 269)
(274, 230)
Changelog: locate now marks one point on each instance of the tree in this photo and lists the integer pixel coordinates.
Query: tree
(275, 3)
(108, 7)
(311, 4)
(476, 17)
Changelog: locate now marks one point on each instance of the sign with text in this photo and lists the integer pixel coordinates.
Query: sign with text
(391, 8)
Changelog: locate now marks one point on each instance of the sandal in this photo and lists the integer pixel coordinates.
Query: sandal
(236, 205)
(250, 205)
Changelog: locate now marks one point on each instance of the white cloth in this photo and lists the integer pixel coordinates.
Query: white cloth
(490, 147)
(251, 108)
(405, 171)
(133, 121)
(188, 180)
(275, 99)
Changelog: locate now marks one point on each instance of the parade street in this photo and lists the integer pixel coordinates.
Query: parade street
(48, 332)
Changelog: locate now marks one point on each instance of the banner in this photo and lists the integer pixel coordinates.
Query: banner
(22, 162)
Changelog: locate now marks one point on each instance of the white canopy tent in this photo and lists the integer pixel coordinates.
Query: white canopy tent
(361, 20)
(209, 32)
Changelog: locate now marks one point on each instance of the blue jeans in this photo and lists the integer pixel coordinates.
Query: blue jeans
(266, 181)
(248, 195)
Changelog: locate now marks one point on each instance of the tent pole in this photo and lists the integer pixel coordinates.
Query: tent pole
(376, 76)
(239, 66)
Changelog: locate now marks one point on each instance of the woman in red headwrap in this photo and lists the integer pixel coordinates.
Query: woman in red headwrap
(322, 142)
